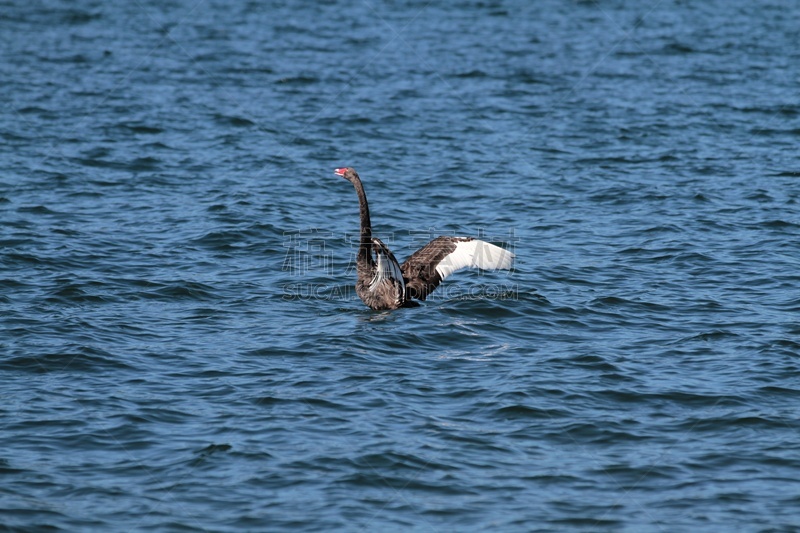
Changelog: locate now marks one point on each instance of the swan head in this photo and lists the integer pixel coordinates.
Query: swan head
(348, 173)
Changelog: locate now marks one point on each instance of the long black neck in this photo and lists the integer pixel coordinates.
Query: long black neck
(364, 253)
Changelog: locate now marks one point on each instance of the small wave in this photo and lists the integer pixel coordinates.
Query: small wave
(677, 48)
(767, 132)
(188, 290)
(519, 411)
(144, 163)
(730, 422)
(474, 73)
(223, 240)
(298, 80)
(206, 453)
(138, 128)
(787, 174)
(235, 121)
(69, 359)
(37, 210)
(713, 335)
(79, 293)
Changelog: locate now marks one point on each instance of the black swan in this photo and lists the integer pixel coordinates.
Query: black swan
(385, 284)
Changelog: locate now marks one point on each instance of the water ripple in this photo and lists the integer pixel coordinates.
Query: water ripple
(182, 347)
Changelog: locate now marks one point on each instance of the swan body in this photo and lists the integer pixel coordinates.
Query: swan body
(383, 283)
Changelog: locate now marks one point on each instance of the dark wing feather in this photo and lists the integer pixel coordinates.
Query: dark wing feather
(382, 287)
(419, 270)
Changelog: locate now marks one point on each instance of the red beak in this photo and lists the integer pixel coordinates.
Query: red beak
(339, 171)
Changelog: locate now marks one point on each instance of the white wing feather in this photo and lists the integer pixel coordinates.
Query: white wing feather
(475, 254)
(386, 269)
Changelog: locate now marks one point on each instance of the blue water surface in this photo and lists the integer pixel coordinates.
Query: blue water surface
(181, 346)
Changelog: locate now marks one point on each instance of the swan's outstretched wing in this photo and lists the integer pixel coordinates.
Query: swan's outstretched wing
(432, 263)
(382, 287)
(386, 266)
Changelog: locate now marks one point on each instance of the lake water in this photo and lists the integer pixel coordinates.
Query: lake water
(181, 347)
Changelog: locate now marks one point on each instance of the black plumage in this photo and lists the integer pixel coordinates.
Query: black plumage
(385, 284)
